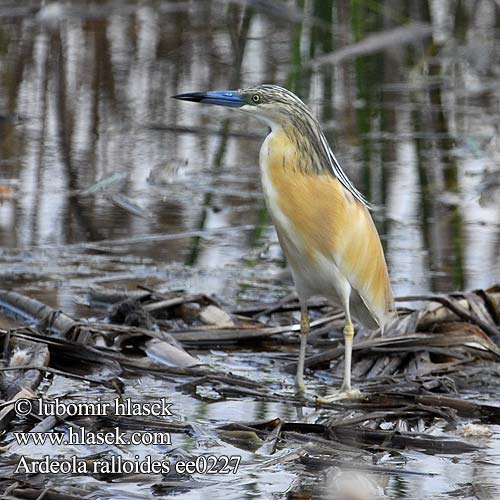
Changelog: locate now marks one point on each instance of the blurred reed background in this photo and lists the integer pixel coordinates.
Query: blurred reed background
(93, 152)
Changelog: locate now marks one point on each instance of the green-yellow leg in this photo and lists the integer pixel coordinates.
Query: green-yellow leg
(348, 340)
(304, 332)
(346, 391)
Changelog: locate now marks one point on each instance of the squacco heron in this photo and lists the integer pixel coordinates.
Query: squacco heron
(323, 222)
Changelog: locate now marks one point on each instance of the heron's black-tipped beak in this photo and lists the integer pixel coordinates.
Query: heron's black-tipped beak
(229, 98)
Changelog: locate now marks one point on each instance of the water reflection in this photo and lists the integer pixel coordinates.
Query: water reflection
(85, 87)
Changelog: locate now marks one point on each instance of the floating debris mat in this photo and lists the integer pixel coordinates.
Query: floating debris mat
(146, 362)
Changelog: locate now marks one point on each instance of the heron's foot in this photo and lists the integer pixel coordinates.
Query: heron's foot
(341, 395)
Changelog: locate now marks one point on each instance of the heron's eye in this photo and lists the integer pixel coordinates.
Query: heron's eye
(256, 98)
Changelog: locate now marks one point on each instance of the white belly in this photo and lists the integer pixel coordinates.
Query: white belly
(313, 275)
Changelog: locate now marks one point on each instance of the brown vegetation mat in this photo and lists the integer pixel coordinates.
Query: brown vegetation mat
(434, 370)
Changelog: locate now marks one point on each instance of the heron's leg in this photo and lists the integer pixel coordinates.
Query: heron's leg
(304, 332)
(348, 341)
(346, 391)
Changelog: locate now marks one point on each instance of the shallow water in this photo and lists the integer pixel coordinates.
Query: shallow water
(85, 98)
(414, 475)
(86, 120)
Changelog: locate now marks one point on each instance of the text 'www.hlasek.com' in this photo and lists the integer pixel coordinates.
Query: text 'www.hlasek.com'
(74, 435)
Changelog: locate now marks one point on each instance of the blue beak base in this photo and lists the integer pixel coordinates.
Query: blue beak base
(229, 98)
